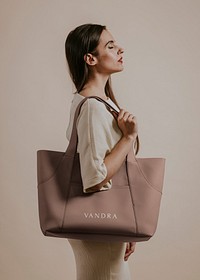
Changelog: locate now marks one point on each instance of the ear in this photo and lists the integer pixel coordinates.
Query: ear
(90, 59)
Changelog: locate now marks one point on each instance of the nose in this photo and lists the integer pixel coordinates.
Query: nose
(121, 50)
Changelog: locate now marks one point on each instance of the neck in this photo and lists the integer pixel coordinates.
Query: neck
(96, 86)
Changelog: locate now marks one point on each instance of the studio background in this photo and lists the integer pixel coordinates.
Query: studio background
(160, 85)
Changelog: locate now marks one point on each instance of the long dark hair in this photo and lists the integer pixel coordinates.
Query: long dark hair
(80, 41)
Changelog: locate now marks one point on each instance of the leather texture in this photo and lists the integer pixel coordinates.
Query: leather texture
(127, 212)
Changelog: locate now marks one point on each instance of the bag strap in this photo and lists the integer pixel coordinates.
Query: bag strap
(72, 147)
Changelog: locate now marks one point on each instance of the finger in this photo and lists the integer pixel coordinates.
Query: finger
(128, 253)
(127, 256)
(126, 116)
(131, 118)
(127, 250)
(115, 114)
(121, 114)
(130, 248)
(127, 247)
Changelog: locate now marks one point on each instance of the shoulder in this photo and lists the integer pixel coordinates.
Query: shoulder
(93, 107)
(94, 103)
(89, 103)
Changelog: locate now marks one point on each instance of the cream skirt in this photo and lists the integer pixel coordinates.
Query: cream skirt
(100, 260)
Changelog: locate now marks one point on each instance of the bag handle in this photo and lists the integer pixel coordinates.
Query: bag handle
(72, 147)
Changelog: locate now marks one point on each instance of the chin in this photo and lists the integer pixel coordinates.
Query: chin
(118, 70)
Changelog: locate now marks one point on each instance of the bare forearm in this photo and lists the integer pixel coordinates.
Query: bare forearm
(115, 158)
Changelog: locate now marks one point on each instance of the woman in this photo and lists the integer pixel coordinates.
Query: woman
(103, 141)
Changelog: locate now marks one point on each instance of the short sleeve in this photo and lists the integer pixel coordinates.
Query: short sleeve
(93, 143)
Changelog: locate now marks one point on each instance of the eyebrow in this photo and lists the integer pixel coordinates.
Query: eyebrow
(111, 41)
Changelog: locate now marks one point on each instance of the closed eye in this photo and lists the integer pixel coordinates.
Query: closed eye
(110, 44)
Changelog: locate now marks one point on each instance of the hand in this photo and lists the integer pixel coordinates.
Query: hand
(130, 248)
(127, 124)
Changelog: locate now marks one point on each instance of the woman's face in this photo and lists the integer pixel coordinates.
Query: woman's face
(109, 59)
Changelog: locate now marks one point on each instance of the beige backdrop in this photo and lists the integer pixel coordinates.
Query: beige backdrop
(160, 85)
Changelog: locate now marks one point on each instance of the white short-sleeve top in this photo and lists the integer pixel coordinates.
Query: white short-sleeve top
(98, 133)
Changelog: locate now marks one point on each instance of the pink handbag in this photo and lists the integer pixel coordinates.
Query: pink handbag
(127, 212)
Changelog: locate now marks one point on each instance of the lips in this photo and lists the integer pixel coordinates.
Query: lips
(120, 60)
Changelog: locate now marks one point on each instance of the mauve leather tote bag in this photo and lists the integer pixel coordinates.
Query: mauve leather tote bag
(127, 212)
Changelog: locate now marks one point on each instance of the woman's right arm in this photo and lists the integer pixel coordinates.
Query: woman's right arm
(113, 161)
